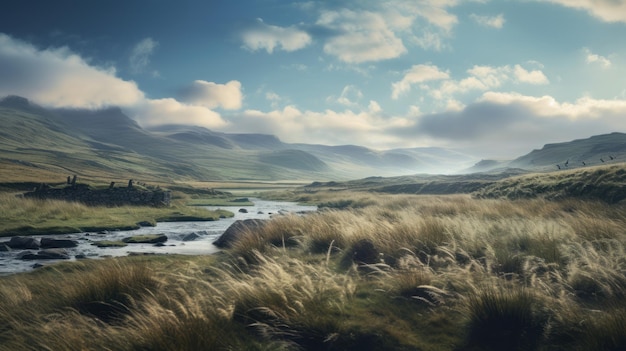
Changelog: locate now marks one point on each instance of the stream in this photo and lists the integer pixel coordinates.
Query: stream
(177, 233)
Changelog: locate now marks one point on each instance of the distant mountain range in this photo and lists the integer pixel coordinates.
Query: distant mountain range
(107, 143)
(596, 150)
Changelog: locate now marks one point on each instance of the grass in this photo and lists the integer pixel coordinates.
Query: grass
(395, 272)
(57, 217)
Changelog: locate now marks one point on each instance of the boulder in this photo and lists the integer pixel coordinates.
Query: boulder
(243, 210)
(24, 243)
(53, 254)
(237, 230)
(4, 246)
(46, 254)
(48, 243)
(26, 255)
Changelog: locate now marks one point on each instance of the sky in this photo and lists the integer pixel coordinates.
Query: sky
(493, 78)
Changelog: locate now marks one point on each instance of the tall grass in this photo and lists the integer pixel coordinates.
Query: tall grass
(442, 273)
(35, 216)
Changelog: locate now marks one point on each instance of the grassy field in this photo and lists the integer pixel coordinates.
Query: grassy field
(369, 271)
(21, 216)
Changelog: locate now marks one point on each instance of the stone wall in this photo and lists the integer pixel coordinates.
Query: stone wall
(113, 196)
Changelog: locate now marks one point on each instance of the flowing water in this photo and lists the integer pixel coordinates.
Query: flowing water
(206, 231)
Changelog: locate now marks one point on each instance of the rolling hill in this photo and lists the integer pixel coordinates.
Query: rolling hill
(106, 143)
(596, 150)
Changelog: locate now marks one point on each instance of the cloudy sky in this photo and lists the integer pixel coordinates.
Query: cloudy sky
(494, 78)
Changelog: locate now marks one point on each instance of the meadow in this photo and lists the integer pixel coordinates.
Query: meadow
(369, 271)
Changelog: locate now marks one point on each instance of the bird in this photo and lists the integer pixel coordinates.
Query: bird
(566, 163)
(602, 160)
(584, 164)
(611, 157)
(559, 167)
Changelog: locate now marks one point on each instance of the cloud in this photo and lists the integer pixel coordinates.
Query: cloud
(594, 58)
(140, 56)
(269, 37)
(170, 111)
(417, 74)
(328, 127)
(362, 36)
(60, 78)
(212, 95)
(489, 21)
(483, 78)
(535, 77)
(57, 77)
(510, 124)
(606, 10)
(350, 95)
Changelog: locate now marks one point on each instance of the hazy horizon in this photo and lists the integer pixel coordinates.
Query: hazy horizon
(493, 79)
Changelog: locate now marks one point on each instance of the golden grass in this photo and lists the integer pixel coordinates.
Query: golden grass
(447, 273)
(35, 216)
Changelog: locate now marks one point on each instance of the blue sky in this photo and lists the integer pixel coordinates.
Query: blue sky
(493, 78)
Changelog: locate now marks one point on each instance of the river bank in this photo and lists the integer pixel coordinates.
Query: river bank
(183, 237)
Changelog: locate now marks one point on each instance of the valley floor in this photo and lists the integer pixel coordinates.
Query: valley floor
(366, 272)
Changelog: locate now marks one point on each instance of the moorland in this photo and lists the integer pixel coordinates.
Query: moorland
(526, 262)
(526, 254)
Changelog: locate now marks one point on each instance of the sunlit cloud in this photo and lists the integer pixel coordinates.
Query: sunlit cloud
(417, 74)
(57, 77)
(213, 95)
(483, 78)
(590, 57)
(350, 96)
(362, 36)
(140, 56)
(269, 37)
(170, 111)
(504, 124)
(531, 77)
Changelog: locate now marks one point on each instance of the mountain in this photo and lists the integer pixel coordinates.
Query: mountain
(107, 144)
(596, 150)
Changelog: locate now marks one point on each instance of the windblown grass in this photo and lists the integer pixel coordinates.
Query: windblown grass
(396, 272)
(33, 216)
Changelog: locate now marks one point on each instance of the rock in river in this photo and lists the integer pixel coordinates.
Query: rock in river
(146, 239)
(238, 230)
(48, 243)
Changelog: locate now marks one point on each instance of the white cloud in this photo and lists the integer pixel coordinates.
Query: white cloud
(417, 74)
(506, 125)
(212, 95)
(585, 108)
(489, 21)
(606, 10)
(594, 58)
(531, 77)
(483, 78)
(269, 37)
(328, 127)
(350, 95)
(362, 36)
(140, 56)
(60, 78)
(170, 111)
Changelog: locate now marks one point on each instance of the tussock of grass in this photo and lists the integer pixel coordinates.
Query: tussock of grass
(400, 272)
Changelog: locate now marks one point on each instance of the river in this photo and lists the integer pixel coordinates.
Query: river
(206, 231)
